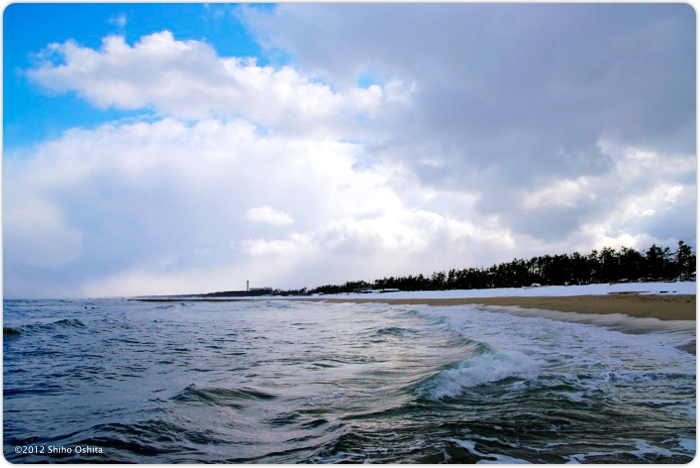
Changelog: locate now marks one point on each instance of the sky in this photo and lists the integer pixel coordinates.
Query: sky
(188, 148)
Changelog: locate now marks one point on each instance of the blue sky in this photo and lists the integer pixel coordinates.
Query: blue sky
(30, 115)
(172, 148)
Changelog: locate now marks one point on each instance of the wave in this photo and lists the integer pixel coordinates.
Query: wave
(63, 324)
(68, 323)
(479, 370)
(236, 398)
(393, 331)
(11, 332)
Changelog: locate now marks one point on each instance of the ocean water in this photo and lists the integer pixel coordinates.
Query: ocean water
(312, 382)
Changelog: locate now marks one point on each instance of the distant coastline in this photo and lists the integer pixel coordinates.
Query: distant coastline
(664, 301)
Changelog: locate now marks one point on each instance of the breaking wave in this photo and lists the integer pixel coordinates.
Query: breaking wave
(480, 370)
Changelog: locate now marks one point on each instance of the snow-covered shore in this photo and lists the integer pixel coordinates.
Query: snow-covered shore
(543, 291)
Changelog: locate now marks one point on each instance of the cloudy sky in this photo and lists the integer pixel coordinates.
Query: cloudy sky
(182, 148)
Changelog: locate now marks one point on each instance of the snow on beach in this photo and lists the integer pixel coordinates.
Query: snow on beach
(629, 312)
(543, 291)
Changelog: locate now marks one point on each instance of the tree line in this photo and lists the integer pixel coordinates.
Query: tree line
(605, 266)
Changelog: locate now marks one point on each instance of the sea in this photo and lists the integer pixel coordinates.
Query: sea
(277, 381)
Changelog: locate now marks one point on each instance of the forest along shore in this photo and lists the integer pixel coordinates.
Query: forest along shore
(660, 306)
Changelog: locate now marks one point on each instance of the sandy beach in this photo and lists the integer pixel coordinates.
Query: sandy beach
(661, 306)
(666, 307)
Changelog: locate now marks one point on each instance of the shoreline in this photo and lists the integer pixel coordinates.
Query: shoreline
(659, 306)
(668, 308)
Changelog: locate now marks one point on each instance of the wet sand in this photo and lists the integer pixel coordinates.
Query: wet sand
(660, 306)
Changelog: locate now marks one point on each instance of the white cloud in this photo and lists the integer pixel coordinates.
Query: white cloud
(673, 193)
(561, 193)
(187, 79)
(643, 196)
(137, 200)
(295, 176)
(295, 246)
(39, 234)
(266, 214)
(118, 20)
(156, 207)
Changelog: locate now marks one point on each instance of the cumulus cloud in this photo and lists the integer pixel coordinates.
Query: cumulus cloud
(266, 214)
(479, 133)
(157, 207)
(188, 79)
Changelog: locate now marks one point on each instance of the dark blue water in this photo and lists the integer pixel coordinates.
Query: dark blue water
(297, 382)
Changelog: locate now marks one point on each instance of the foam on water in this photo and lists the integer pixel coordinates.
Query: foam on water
(479, 370)
(488, 458)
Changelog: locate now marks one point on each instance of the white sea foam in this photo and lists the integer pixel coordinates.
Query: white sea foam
(480, 370)
(643, 448)
(490, 458)
(328, 396)
(593, 363)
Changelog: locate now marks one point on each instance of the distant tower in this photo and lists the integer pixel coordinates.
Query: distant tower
(247, 288)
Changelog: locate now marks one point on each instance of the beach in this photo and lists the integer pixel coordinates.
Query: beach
(663, 307)
(663, 301)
